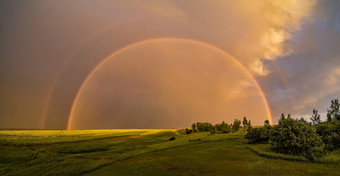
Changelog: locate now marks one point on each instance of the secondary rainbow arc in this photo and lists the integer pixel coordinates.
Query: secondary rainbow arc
(69, 123)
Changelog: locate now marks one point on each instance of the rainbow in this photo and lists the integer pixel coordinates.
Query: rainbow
(68, 61)
(69, 123)
(285, 83)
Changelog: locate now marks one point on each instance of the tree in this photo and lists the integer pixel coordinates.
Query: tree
(223, 126)
(302, 120)
(266, 123)
(218, 127)
(294, 137)
(333, 111)
(245, 122)
(236, 125)
(226, 128)
(204, 126)
(282, 117)
(315, 117)
(193, 126)
(329, 118)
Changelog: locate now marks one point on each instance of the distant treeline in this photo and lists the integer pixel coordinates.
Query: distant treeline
(219, 127)
(299, 137)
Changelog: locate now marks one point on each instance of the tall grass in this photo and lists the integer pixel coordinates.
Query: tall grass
(265, 150)
(332, 157)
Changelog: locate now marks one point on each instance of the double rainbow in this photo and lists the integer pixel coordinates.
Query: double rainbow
(69, 123)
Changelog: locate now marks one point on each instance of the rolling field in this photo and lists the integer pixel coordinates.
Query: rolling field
(145, 152)
(32, 137)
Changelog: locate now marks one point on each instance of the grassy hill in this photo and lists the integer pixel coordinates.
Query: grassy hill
(144, 152)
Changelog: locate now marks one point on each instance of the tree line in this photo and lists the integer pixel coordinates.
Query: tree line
(299, 137)
(222, 127)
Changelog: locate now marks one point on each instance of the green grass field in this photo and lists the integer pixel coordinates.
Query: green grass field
(147, 152)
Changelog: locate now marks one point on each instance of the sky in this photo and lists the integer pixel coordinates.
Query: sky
(85, 64)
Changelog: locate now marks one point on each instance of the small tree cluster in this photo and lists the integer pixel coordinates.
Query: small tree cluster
(204, 126)
(298, 137)
(330, 134)
(236, 125)
(221, 127)
(330, 130)
(258, 135)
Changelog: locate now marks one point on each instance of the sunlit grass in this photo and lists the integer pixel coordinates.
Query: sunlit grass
(33, 137)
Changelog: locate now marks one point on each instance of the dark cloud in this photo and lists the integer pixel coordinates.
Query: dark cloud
(312, 70)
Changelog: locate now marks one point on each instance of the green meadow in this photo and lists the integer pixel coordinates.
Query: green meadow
(148, 152)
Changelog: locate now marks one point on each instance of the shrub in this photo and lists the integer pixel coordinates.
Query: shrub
(294, 137)
(315, 153)
(187, 131)
(330, 133)
(172, 139)
(257, 135)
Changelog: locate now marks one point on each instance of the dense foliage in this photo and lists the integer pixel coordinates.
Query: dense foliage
(333, 112)
(204, 126)
(330, 134)
(236, 125)
(298, 137)
(258, 135)
(294, 136)
(219, 127)
(223, 127)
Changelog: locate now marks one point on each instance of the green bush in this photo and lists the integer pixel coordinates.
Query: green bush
(187, 131)
(293, 136)
(330, 133)
(257, 135)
